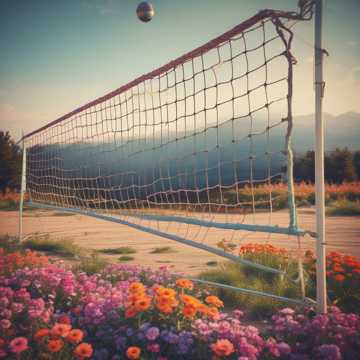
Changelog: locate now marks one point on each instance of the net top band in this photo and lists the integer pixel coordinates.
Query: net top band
(260, 16)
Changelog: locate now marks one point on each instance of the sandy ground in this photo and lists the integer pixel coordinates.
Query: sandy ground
(343, 233)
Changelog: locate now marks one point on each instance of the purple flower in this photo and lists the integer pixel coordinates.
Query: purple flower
(152, 333)
(284, 348)
(329, 352)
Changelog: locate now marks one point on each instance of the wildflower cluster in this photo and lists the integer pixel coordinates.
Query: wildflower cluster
(343, 276)
(62, 339)
(49, 311)
(335, 335)
(16, 260)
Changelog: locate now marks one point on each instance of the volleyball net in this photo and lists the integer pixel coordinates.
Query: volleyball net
(182, 151)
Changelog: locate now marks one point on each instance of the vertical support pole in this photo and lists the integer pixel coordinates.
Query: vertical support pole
(321, 294)
(23, 189)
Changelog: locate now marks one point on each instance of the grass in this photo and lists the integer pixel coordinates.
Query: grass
(91, 265)
(9, 243)
(123, 250)
(212, 263)
(125, 258)
(237, 275)
(8, 205)
(64, 247)
(163, 250)
(62, 214)
(344, 208)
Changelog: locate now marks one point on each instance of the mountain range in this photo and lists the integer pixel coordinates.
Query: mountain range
(340, 131)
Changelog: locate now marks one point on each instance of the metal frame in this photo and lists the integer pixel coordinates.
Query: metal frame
(321, 292)
(22, 190)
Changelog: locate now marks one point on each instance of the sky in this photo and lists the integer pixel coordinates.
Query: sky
(58, 55)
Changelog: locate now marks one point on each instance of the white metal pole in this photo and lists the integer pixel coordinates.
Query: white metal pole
(22, 191)
(321, 294)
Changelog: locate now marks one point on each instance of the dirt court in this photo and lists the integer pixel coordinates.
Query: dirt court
(343, 234)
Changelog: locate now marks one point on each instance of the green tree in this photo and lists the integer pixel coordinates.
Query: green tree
(356, 161)
(304, 167)
(10, 162)
(339, 166)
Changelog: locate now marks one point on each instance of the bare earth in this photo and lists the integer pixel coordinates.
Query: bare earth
(343, 234)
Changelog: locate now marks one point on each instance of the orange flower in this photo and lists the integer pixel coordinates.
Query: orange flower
(75, 336)
(213, 312)
(84, 350)
(184, 284)
(64, 319)
(166, 292)
(189, 300)
(41, 334)
(61, 330)
(222, 348)
(55, 345)
(130, 312)
(136, 287)
(133, 353)
(143, 304)
(214, 300)
(189, 311)
(339, 277)
(166, 309)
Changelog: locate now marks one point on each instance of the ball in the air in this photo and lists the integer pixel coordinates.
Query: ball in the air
(145, 11)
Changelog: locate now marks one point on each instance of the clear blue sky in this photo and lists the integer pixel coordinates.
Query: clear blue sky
(58, 55)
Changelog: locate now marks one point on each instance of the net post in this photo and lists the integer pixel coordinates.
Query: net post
(321, 293)
(23, 189)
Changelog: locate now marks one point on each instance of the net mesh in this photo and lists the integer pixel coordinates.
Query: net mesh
(185, 149)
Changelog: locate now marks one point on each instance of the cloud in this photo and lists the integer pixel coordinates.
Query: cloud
(351, 43)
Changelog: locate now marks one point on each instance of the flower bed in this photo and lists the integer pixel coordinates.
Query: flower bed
(49, 311)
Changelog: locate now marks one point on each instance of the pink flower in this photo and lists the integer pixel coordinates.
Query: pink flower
(155, 348)
(284, 349)
(18, 345)
(5, 323)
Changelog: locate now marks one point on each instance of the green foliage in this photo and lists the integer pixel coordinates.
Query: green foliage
(64, 247)
(8, 205)
(10, 162)
(163, 250)
(91, 265)
(212, 263)
(344, 208)
(340, 165)
(304, 167)
(10, 243)
(233, 274)
(126, 258)
(118, 251)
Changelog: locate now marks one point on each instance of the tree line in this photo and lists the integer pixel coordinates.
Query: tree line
(341, 165)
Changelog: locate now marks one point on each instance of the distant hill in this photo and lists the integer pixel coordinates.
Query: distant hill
(340, 131)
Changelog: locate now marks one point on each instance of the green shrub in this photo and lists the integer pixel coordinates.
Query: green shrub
(163, 250)
(241, 276)
(8, 205)
(118, 251)
(91, 265)
(10, 243)
(126, 258)
(344, 208)
(212, 263)
(64, 247)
